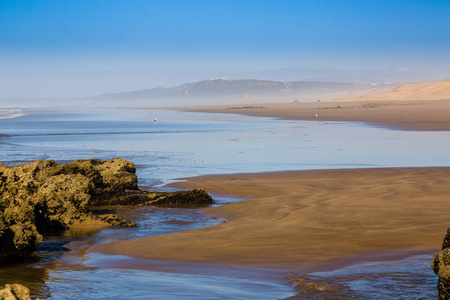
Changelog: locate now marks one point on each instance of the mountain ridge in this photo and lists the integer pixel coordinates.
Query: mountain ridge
(225, 89)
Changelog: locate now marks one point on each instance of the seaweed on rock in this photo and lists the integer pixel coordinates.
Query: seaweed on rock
(441, 266)
(44, 197)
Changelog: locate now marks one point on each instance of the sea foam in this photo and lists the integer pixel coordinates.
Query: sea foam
(11, 113)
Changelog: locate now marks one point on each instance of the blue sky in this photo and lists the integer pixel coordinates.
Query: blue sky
(68, 48)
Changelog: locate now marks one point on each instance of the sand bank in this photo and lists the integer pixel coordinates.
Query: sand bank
(307, 220)
(407, 115)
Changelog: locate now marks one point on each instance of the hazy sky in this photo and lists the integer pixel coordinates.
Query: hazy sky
(73, 48)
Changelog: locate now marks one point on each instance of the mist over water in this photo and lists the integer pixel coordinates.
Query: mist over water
(180, 144)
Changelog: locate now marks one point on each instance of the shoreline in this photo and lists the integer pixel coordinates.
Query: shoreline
(303, 221)
(235, 244)
(429, 115)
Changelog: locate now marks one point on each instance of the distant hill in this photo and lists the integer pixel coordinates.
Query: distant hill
(438, 90)
(224, 91)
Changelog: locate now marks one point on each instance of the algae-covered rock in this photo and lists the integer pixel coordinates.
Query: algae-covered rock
(446, 243)
(61, 199)
(114, 220)
(441, 266)
(44, 197)
(179, 198)
(14, 291)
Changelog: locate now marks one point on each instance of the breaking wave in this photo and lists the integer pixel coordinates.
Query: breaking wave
(11, 113)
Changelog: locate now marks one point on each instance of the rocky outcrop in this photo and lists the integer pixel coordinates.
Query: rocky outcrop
(441, 266)
(44, 197)
(14, 292)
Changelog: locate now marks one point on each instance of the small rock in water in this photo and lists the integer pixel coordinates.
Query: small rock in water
(15, 291)
(441, 266)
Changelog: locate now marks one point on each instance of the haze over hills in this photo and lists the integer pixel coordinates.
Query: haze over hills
(438, 90)
(228, 91)
(215, 91)
(248, 91)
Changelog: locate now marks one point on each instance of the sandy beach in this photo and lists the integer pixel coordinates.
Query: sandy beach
(309, 220)
(406, 115)
(228, 150)
(424, 106)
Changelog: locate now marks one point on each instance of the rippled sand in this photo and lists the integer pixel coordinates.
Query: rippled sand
(309, 220)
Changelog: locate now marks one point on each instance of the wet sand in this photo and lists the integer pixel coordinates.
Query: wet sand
(85, 228)
(309, 220)
(406, 115)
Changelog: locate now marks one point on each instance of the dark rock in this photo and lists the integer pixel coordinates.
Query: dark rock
(441, 266)
(180, 198)
(54, 246)
(43, 198)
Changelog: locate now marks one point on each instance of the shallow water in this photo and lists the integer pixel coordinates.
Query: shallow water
(409, 278)
(137, 284)
(58, 274)
(183, 144)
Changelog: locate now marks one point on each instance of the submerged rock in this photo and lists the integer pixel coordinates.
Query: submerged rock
(114, 220)
(43, 197)
(441, 266)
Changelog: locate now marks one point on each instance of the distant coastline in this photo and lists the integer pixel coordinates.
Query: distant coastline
(431, 115)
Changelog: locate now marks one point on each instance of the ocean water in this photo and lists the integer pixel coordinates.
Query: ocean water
(181, 144)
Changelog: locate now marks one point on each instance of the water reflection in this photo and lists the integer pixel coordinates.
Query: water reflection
(409, 278)
(33, 275)
(104, 283)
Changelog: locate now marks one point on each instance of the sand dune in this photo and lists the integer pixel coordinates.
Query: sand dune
(305, 220)
(439, 90)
